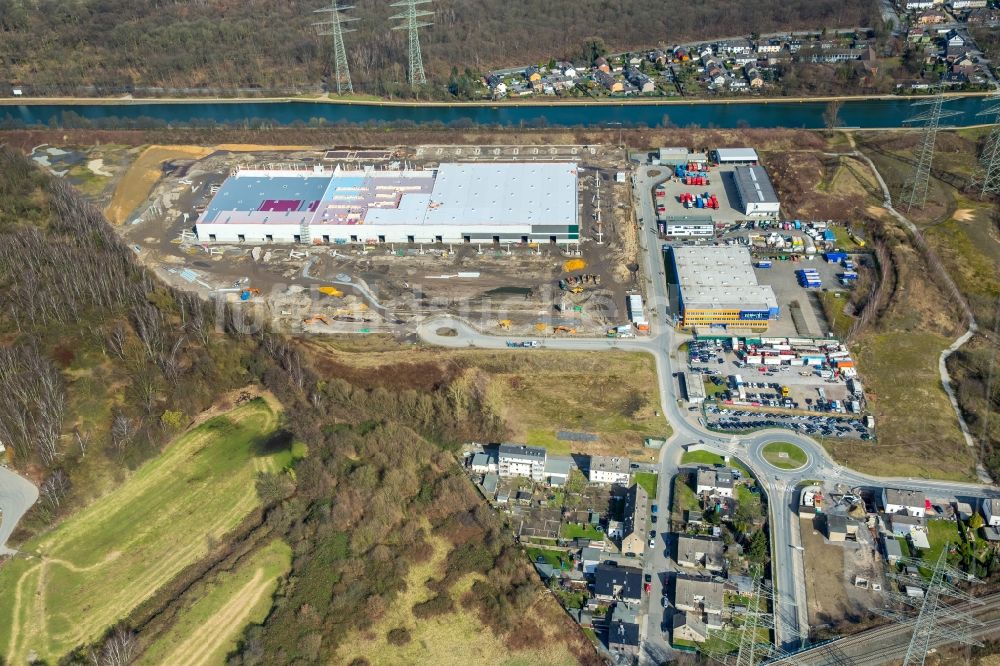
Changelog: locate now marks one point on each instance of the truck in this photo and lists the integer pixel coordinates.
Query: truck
(526, 344)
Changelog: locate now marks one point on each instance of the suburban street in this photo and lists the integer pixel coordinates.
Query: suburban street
(790, 604)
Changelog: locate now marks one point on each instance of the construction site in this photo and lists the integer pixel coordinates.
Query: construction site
(363, 240)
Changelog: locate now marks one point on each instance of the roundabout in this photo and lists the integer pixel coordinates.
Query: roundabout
(784, 455)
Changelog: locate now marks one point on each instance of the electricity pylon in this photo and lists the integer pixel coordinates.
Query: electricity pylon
(990, 159)
(334, 27)
(749, 644)
(917, 188)
(934, 619)
(412, 20)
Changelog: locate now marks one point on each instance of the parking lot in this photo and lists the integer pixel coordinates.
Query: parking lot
(774, 396)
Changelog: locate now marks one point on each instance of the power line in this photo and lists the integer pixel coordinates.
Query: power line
(917, 188)
(334, 27)
(990, 159)
(935, 619)
(413, 19)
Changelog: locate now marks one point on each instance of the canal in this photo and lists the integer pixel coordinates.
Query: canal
(872, 113)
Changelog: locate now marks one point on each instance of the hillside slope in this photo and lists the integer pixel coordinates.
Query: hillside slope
(56, 47)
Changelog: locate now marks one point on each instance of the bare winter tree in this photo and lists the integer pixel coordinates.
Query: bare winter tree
(123, 430)
(120, 648)
(32, 404)
(54, 489)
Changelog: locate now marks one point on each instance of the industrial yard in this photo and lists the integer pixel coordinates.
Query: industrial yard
(363, 240)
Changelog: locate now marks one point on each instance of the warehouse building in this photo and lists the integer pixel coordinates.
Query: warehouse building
(455, 203)
(756, 193)
(735, 156)
(716, 287)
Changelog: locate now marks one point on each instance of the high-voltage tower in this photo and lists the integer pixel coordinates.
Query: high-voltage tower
(334, 27)
(749, 644)
(935, 619)
(990, 159)
(413, 18)
(916, 190)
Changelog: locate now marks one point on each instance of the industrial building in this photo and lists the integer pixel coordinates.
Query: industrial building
(689, 226)
(755, 191)
(454, 203)
(735, 156)
(717, 286)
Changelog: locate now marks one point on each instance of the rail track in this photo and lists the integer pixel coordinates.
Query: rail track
(888, 643)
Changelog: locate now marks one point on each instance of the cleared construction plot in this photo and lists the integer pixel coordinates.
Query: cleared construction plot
(209, 628)
(98, 565)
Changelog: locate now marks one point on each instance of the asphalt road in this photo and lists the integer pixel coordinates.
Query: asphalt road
(17, 494)
(790, 604)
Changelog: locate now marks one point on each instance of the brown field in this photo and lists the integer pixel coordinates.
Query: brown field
(611, 394)
(434, 640)
(142, 176)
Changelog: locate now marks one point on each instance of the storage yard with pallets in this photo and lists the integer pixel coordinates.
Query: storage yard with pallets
(219, 224)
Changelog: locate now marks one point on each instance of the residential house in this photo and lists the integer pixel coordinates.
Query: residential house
(918, 538)
(609, 470)
(836, 527)
(490, 483)
(643, 83)
(903, 524)
(532, 74)
(557, 471)
(991, 512)
(483, 462)
(968, 4)
(714, 482)
(915, 34)
(616, 530)
(520, 460)
(701, 551)
(590, 557)
(932, 17)
(623, 631)
(657, 57)
(895, 500)
(754, 77)
(602, 64)
(893, 551)
(917, 5)
(738, 84)
(681, 55)
(689, 627)
(701, 595)
(612, 582)
(771, 46)
(706, 54)
(608, 81)
(744, 60)
(635, 61)
(636, 514)
(742, 585)
(983, 15)
(524, 498)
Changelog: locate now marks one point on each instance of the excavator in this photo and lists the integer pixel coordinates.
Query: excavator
(505, 324)
(249, 293)
(316, 319)
(564, 329)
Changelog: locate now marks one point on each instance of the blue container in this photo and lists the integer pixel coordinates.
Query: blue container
(245, 296)
(699, 203)
(679, 171)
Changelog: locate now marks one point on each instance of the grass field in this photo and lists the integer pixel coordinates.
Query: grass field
(709, 458)
(917, 432)
(574, 531)
(648, 481)
(784, 455)
(102, 562)
(450, 639)
(208, 629)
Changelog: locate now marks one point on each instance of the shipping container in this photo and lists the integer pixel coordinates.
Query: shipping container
(772, 360)
(764, 264)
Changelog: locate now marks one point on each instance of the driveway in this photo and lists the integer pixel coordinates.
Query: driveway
(17, 494)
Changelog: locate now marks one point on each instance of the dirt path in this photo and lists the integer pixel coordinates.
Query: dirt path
(198, 648)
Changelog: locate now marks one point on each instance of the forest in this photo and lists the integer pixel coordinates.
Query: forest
(102, 365)
(109, 47)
